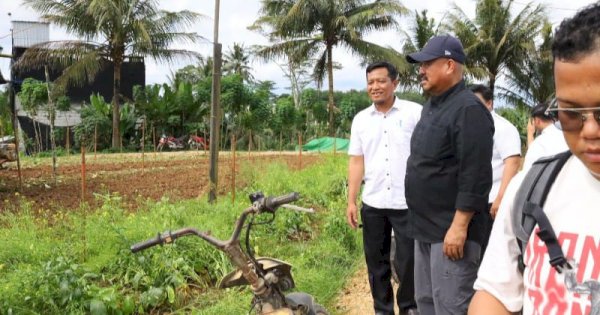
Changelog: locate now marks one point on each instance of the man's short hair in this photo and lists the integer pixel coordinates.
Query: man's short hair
(483, 90)
(579, 35)
(539, 111)
(392, 72)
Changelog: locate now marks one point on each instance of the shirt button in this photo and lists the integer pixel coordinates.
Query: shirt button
(384, 116)
(386, 160)
(388, 174)
(388, 188)
(385, 131)
(386, 145)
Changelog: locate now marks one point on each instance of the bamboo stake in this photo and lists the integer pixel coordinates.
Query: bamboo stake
(68, 144)
(83, 184)
(95, 140)
(143, 142)
(280, 143)
(300, 149)
(233, 169)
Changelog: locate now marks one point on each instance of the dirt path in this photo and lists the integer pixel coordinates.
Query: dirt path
(355, 298)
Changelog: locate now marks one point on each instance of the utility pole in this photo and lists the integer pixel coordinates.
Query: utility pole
(215, 109)
(11, 99)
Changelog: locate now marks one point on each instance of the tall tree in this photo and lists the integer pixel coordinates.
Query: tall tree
(532, 80)
(312, 28)
(422, 29)
(237, 61)
(496, 39)
(111, 30)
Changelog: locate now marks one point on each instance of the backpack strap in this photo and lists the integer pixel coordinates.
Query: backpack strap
(528, 208)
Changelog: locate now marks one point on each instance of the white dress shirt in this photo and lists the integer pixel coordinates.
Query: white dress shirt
(383, 139)
(549, 143)
(507, 143)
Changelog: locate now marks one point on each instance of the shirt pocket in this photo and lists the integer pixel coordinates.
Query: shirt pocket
(434, 142)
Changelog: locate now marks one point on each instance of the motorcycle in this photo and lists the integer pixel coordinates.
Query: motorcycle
(171, 143)
(267, 277)
(197, 143)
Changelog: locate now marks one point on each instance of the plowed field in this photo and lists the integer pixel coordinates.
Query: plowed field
(177, 175)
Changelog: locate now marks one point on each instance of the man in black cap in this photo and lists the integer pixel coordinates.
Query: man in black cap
(448, 179)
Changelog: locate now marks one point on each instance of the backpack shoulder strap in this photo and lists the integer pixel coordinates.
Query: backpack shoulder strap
(529, 202)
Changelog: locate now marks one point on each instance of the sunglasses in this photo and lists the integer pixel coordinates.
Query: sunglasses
(572, 119)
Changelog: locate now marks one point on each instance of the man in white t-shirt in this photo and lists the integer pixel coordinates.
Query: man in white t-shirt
(379, 147)
(550, 140)
(506, 156)
(572, 204)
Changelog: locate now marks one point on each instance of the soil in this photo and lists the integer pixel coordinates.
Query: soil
(355, 298)
(177, 175)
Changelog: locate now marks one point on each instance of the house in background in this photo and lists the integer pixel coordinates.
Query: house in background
(27, 34)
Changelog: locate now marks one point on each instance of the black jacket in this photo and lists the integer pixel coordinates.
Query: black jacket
(450, 165)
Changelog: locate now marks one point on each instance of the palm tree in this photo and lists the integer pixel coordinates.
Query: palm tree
(421, 31)
(531, 81)
(495, 40)
(111, 30)
(236, 62)
(312, 28)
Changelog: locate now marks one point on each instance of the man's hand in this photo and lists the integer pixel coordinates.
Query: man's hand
(494, 208)
(454, 242)
(352, 215)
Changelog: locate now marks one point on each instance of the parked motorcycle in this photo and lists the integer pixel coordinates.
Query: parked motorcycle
(197, 143)
(267, 277)
(171, 143)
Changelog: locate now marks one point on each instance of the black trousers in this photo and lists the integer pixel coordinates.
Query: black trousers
(488, 224)
(377, 239)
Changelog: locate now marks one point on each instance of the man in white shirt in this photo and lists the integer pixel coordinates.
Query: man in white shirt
(506, 156)
(379, 147)
(550, 140)
(572, 203)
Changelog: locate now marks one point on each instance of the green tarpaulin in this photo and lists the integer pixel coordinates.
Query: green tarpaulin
(326, 144)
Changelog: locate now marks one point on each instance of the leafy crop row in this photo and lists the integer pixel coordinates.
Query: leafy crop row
(73, 262)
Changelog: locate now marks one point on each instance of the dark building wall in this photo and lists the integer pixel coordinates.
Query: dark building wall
(132, 74)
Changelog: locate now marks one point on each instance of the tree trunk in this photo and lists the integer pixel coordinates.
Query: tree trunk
(52, 117)
(492, 82)
(331, 106)
(116, 135)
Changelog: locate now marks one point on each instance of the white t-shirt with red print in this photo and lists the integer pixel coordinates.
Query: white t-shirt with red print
(573, 208)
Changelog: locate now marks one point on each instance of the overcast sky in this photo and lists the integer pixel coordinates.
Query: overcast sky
(236, 15)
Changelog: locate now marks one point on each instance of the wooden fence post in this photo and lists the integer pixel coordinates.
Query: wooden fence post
(68, 144)
(143, 142)
(300, 149)
(233, 169)
(95, 139)
(83, 179)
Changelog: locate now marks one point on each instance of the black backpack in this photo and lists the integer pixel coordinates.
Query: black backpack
(528, 209)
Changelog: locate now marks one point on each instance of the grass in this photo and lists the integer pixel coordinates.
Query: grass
(79, 261)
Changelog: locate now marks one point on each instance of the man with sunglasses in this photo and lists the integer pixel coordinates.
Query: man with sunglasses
(550, 140)
(572, 205)
(448, 179)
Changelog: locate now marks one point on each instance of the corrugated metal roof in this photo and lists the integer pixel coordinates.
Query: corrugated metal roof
(29, 33)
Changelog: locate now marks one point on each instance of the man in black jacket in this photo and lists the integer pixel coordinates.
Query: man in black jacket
(448, 179)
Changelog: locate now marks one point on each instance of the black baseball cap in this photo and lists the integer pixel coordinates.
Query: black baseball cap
(437, 47)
